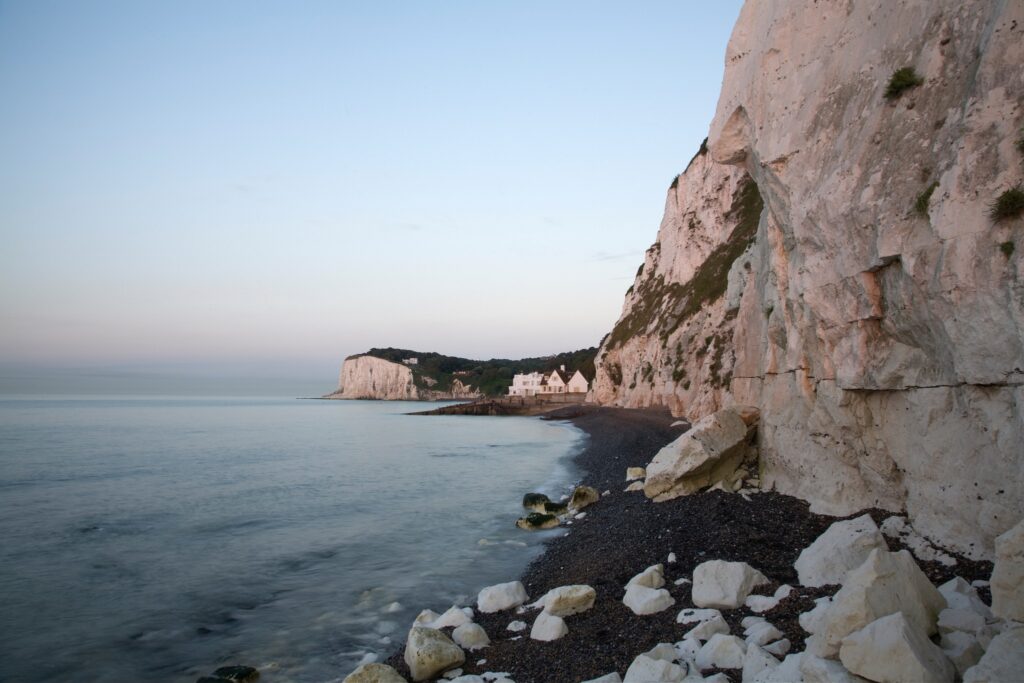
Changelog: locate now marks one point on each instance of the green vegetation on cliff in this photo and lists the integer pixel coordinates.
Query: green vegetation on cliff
(493, 377)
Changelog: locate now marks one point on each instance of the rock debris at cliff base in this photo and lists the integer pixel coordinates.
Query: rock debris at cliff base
(624, 533)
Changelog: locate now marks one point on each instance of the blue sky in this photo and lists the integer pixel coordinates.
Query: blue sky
(270, 186)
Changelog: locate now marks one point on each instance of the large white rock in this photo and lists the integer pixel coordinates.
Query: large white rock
(818, 670)
(708, 623)
(709, 452)
(724, 585)
(1002, 662)
(453, 616)
(894, 650)
(762, 634)
(643, 600)
(813, 620)
(687, 649)
(844, 546)
(567, 600)
(1008, 575)
(548, 627)
(374, 673)
(501, 596)
(723, 652)
(647, 670)
(665, 651)
(886, 583)
(426, 618)
(471, 637)
(652, 577)
(961, 595)
(963, 649)
(756, 663)
(428, 652)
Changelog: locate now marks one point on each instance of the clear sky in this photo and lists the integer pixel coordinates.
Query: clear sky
(265, 187)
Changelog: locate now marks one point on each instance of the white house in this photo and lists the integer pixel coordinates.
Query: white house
(555, 382)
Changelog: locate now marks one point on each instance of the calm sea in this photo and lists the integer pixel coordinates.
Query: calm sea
(156, 539)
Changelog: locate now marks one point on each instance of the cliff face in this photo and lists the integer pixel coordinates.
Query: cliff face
(876, 316)
(368, 377)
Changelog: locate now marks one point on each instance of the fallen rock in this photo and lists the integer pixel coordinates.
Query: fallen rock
(722, 652)
(665, 651)
(634, 473)
(453, 616)
(643, 600)
(536, 521)
(886, 583)
(652, 577)
(893, 649)
(1002, 662)
(844, 546)
(515, 626)
(647, 670)
(779, 648)
(724, 585)
(635, 486)
(1007, 581)
(961, 595)
(762, 634)
(535, 501)
(818, 670)
(710, 452)
(813, 620)
(761, 603)
(548, 627)
(582, 496)
(567, 600)
(426, 618)
(964, 620)
(756, 663)
(428, 652)
(788, 671)
(708, 623)
(501, 596)
(374, 673)
(962, 649)
(687, 649)
(471, 637)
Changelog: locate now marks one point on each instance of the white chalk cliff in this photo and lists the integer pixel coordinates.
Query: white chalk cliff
(882, 343)
(368, 377)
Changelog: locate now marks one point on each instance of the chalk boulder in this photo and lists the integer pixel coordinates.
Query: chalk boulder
(583, 496)
(723, 652)
(818, 670)
(643, 600)
(1003, 661)
(1008, 575)
(644, 669)
(708, 623)
(710, 452)
(844, 546)
(548, 627)
(893, 649)
(374, 673)
(567, 600)
(724, 585)
(634, 473)
(885, 584)
(471, 637)
(428, 652)
(501, 596)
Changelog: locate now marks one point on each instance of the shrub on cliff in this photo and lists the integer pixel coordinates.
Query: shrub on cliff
(902, 80)
(1009, 204)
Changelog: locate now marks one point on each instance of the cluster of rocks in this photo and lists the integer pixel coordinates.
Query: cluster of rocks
(546, 514)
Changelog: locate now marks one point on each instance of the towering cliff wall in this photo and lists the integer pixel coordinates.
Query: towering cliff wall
(876, 315)
(375, 378)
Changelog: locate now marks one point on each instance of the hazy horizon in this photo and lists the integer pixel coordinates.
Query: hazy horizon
(209, 190)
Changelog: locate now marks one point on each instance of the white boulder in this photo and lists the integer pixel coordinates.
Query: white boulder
(453, 616)
(723, 652)
(844, 546)
(374, 673)
(647, 670)
(756, 663)
(1002, 662)
(961, 595)
(779, 648)
(635, 486)
(567, 600)
(761, 603)
(813, 620)
(634, 473)
(886, 583)
(643, 600)
(652, 577)
(893, 649)
(516, 626)
(471, 637)
(762, 634)
(710, 452)
(963, 649)
(1008, 575)
(548, 627)
(687, 649)
(724, 585)
(428, 652)
(425, 618)
(964, 620)
(501, 596)
(708, 623)
(665, 651)
(818, 670)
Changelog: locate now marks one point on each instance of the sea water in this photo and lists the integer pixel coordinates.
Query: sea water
(156, 539)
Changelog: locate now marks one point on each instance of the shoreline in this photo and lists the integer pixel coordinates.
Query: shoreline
(624, 533)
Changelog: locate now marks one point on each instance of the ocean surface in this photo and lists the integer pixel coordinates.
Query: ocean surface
(154, 539)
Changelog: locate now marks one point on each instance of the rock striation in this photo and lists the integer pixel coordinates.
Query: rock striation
(830, 258)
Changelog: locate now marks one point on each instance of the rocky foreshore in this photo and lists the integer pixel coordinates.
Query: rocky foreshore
(731, 584)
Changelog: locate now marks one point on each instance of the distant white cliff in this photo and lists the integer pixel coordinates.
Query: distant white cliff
(368, 377)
